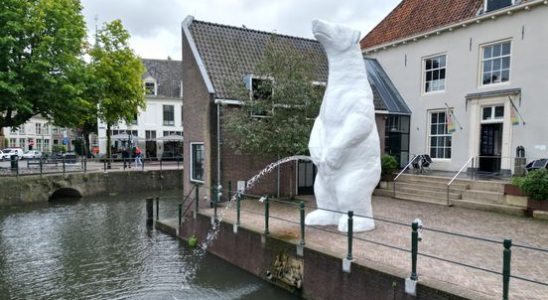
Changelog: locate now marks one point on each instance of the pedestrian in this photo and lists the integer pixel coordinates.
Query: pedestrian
(138, 154)
(125, 157)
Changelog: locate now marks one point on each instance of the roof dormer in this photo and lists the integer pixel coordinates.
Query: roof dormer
(491, 5)
(151, 88)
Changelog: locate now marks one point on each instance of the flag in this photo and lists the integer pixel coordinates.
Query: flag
(450, 122)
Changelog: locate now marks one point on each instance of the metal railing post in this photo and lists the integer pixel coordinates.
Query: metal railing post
(143, 164)
(196, 209)
(266, 215)
(157, 208)
(350, 234)
(85, 165)
(150, 210)
(301, 208)
(507, 256)
(238, 200)
(160, 164)
(41, 166)
(229, 190)
(180, 213)
(104, 165)
(414, 249)
(64, 167)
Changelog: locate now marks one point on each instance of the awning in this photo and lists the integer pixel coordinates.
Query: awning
(171, 138)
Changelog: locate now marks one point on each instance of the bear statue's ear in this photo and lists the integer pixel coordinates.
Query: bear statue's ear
(356, 36)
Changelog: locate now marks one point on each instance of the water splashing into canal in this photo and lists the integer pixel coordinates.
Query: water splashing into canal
(215, 226)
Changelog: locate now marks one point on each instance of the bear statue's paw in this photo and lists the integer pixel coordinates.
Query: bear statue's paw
(359, 224)
(322, 218)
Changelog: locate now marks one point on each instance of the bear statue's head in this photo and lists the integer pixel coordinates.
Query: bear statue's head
(334, 36)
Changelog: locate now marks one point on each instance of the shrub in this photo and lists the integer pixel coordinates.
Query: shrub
(58, 149)
(535, 184)
(388, 165)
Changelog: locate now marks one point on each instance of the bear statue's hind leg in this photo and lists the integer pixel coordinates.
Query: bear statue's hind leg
(325, 202)
(361, 206)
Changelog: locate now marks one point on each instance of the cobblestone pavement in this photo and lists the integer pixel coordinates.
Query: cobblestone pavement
(284, 223)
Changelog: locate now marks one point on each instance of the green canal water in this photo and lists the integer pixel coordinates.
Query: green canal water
(101, 248)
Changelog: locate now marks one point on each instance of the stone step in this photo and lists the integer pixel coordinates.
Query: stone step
(482, 196)
(491, 186)
(430, 187)
(505, 209)
(419, 198)
(432, 180)
(427, 192)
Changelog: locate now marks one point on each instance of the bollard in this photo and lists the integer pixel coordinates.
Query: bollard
(301, 207)
(414, 249)
(157, 208)
(150, 210)
(238, 199)
(350, 234)
(266, 215)
(507, 255)
(180, 213)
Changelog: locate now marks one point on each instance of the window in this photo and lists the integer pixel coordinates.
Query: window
(492, 113)
(439, 138)
(150, 88)
(169, 118)
(55, 130)
(22, 143)
(491, 5)
(38, 128)
(261, 89)
(39, 144)
(495, 66)
(166, 133)
(45, 130)
(150, 134)
(46, 145)
(434, 73)
(22, 129)
(197, 162)
(13, 142)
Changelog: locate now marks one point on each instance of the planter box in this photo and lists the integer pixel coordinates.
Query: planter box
(533, 205)
(514, 190)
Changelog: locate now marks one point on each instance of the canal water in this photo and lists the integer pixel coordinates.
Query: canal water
(100, 248)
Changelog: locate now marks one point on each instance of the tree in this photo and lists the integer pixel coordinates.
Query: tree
(117, 71)
(41, 47)
(277, 119)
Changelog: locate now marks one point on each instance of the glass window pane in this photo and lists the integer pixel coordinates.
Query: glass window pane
(487, 52)
(447, 152)
(441, 141)
(486, 113)
(433, 141)
(496, 50)
(497, 64)
(505, 75)
(433, 118)
(429, 76)
(442, 84)
(433, 152)
(442, 74)
(448, 141)
(436, 75)
(428, 64)
(435, 63)
(506, 63)
(506, 48)
(427, 87)
(442, 61)
(486, 66)
(499, 112)
(486, 78)
(434, 129)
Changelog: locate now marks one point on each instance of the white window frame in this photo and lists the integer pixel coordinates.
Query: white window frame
(492, 119)
(172, 124)
(430, 135)
(423, 86)
(485, 5)
(482, 60)
(192, 161)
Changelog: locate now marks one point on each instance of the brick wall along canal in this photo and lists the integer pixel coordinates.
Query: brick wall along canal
(100, 248)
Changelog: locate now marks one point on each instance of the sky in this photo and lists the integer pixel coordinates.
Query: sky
(155, 26)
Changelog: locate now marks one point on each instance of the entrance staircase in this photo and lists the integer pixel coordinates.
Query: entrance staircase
(473, 194)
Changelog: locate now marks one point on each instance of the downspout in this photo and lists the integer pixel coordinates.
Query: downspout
(218, 149)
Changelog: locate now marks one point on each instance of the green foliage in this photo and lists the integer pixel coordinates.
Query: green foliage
(286, 103)
(58, 149)
(388, 164)
(41, 47)
(535, 184)
(117, 71)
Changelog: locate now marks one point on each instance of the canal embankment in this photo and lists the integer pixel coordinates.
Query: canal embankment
(36, 188)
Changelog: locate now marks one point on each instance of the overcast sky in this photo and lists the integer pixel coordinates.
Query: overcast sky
(155, 26)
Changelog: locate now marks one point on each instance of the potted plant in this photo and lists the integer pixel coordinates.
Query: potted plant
(388, 166)
(535, 186)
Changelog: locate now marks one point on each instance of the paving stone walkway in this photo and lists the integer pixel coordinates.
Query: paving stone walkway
(529, 264)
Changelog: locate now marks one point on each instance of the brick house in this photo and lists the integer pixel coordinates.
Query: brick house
(215, 55)
(477, 66)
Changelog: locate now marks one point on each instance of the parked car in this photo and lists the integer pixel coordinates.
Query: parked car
(31, 154)
(9, 152)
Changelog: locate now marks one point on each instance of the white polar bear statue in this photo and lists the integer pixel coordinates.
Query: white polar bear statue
(344, 142)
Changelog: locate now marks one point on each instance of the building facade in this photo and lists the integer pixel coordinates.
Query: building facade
(158, 129)
(472, 73)
(39, 134)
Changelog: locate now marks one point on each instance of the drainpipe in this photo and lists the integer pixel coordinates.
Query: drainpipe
(218, 148)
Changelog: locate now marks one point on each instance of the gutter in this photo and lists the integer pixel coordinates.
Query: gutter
(476, 20)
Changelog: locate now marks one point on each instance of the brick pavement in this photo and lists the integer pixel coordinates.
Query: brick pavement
(525, 263)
